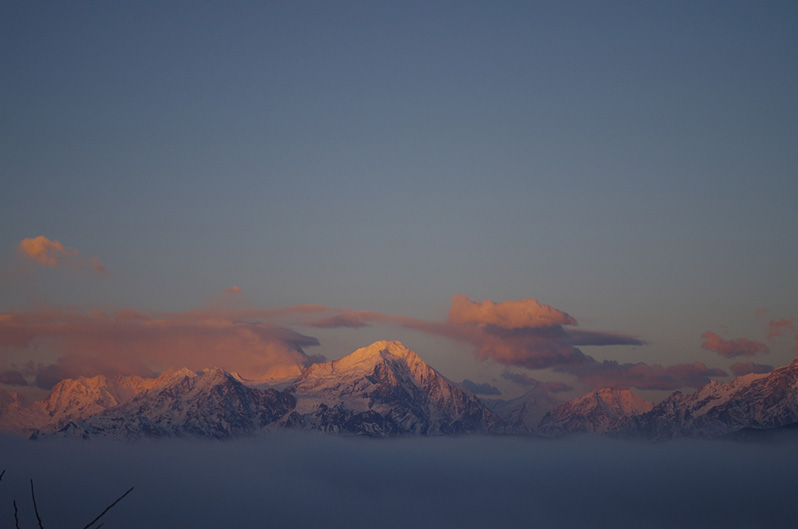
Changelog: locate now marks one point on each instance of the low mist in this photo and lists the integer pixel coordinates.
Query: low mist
(311, 480)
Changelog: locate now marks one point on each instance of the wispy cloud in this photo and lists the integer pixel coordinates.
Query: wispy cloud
(523, 379)
(744, 368)
(480, 389)
(46, 252)
(783, 328)
(640, 375)
(732, 348)
(12, 377)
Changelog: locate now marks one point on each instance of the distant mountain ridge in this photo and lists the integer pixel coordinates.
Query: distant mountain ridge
(523, 414)
(597, 412)
(754, 402)
(383, 390)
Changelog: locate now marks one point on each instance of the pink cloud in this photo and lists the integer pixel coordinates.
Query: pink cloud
(235, 289)
(523, 333)
(744, 368)
(643, 376)
(510, 314)
(731, 348)
(557, 387)
(46, 252)
(134, 342)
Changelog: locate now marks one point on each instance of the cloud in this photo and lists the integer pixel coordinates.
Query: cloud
(557, 387)
(46, 252)
(256, 343)
(744, 368)
(522, 379)
(480, 389)
(235, 289)
(525, 333)
(525, 380)
(347, 319)
(528, 334)
(732, 348)
(639, 375)
(12, 377)
(511, 314)
(136, 342)
(783, 328)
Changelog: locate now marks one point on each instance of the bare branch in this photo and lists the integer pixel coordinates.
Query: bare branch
(16, 516)
(2, 474)
(108, 509)
(35, 508)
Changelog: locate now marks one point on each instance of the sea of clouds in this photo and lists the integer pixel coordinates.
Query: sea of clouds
(312, 480)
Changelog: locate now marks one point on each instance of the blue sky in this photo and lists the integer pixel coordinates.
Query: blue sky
(630, 163)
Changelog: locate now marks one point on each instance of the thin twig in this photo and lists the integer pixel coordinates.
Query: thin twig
(35, 509)
(2, 474)
(108, 508)
(16, 516)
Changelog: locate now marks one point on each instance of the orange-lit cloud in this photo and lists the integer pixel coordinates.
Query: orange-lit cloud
(522, 333)
(531, 335)
(235, 289)
(744, 368)
(256, 342)
(526, 313)
(51, 253)
(130, 341)
(525, 333)
(732, 348)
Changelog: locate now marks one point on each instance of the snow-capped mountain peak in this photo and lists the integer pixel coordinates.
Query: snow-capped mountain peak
(384, 389)
(596, 412)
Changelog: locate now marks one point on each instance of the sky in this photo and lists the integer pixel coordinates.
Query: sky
(263, 185)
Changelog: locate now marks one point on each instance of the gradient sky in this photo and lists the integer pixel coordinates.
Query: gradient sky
(632, 164)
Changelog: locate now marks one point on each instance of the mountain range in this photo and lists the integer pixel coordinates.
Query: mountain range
(384, 390)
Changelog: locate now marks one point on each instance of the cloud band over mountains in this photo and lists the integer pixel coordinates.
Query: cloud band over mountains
(528, 334)
(732, 348)
(259, 343)
(133, 342)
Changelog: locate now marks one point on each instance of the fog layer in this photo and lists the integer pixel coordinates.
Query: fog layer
(300, 480)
